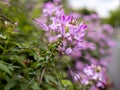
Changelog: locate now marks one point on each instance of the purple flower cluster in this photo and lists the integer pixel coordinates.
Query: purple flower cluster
(88, 45)
(63, 27)
(91, 75)
(96, 54)
(52, 9)
(101, 36)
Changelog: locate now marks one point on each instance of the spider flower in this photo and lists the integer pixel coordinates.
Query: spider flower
(92, 75)
(66, 28)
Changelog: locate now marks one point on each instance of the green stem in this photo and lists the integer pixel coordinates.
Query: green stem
(57, 75)
(6, 42)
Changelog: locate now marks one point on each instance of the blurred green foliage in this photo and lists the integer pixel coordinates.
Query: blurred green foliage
(86, 11)
(114, 18)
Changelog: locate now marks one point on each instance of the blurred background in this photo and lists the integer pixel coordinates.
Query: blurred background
(109, 12)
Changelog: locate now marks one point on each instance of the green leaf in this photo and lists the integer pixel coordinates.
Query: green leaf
(3, 36)
(4, 68)
(35, 86)
(10, 85)
(66, 83)
(49, 79)
(17, 44)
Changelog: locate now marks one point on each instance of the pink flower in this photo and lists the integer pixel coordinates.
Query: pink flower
(68, 50)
